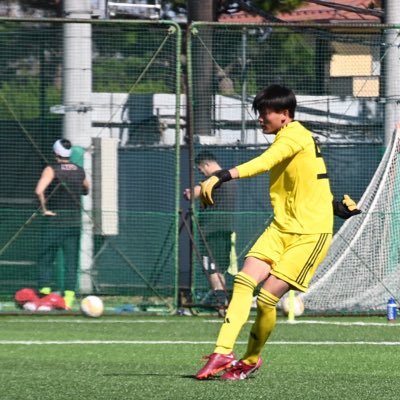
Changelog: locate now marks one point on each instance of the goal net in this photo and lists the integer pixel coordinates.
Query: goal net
(362, 270)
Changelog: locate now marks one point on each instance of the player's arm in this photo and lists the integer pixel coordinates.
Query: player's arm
(345, 208)
(43, 183)
(208, 186)
(279, 151)
(187, 193)
(85, 187)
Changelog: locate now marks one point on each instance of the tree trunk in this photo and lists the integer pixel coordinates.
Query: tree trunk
(203, 93)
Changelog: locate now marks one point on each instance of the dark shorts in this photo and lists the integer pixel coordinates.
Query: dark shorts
(219, 245)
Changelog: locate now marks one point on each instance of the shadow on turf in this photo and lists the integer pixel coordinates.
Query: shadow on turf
(117, 374)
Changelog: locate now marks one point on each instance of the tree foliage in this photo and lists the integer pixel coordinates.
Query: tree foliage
(272, 55)
(274, 6)
(270, 6)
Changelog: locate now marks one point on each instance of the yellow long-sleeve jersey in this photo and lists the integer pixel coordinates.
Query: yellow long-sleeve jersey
(299, 185)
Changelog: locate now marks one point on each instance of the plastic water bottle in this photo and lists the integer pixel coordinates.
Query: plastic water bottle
(391, 310)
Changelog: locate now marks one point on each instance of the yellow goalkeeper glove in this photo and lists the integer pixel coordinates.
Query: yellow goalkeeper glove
(345, 208)
(208, 186)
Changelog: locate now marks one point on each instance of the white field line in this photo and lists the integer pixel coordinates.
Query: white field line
(209, 321)
(316, 322)
(187, 342)
(85, 321)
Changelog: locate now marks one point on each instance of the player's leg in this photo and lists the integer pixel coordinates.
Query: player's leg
(218, 244)
(301, 258)
(216, 296)
(296, 266)
(222, 259)
(71, 258)
(267, 299)
(265, 253)
(51, 242)
(217, 281)
(254, 272)
(259, 264)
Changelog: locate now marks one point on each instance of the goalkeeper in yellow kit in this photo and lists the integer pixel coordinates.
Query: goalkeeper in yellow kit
(288, 252)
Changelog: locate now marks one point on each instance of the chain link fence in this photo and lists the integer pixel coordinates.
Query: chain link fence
(131, 221)
(150, 117)
(338, 76)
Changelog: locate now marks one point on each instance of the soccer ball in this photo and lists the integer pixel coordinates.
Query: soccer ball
(298, 306)
(92, 306)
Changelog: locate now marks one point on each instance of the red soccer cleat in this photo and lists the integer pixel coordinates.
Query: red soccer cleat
(241, 371)
(216, 363)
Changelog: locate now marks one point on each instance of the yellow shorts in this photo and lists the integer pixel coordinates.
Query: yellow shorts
(293, 257)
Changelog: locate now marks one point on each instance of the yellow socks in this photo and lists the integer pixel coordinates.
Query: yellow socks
(69, 298)
(237, 313)
(262, 327)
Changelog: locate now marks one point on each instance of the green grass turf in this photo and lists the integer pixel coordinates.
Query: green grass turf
(292, 370)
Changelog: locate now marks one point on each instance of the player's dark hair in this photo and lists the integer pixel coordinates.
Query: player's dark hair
(65, 143)
(204, 156)
(276, 98)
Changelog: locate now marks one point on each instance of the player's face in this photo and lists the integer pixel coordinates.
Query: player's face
(271, 121)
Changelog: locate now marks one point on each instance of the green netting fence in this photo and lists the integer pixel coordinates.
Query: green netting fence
(338, 76)
(127, 119)
(157, 98)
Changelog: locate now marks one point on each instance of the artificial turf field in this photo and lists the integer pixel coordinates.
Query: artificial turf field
(51, 357)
